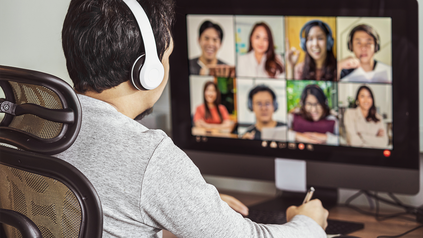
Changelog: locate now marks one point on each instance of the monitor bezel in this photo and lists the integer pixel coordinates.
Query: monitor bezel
(404, 15)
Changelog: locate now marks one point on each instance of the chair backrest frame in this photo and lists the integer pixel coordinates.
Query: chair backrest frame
(68, 99)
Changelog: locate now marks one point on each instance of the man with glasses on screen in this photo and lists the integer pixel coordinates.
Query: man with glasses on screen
(263, 102)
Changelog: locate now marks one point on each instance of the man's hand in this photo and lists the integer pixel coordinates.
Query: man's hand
(312, 209)
(235, 204)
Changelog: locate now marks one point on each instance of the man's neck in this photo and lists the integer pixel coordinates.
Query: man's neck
(260, 124)
(124, 97)
(208, 62)
(367, 67)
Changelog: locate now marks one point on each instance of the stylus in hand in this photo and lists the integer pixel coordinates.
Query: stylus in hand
(308, 195)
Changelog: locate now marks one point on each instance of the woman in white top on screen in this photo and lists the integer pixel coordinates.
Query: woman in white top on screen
(261, 59)
(364, 42)
(316, 41)
(363, 126)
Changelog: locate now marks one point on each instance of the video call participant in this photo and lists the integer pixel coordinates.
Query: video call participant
(363, 125)
(364, 42)
(261, 59)
(210, 39)
(313, 123)
(263, 102)
(144, 181)
(211, 114)
(316, 41)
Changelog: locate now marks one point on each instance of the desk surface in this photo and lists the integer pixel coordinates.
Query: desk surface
(372, 227)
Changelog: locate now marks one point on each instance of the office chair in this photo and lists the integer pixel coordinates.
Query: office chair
(42, 196)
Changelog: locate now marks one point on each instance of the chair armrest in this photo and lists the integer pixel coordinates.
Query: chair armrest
(27, 228)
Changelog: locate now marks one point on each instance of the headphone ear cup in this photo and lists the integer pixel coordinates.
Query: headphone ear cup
(303, 44)
(250, 104)
(275, 105)
(135, 72)
(329, 42)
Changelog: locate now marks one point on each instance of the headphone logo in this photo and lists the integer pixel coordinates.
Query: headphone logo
(147, 71)
(329, 39)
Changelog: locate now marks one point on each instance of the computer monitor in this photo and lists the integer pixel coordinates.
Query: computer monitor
(334, 83)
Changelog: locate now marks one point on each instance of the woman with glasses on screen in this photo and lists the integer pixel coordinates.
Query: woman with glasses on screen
(316, 41)
(211, 114)
(363, 125)
(261, 59)
(313, 123)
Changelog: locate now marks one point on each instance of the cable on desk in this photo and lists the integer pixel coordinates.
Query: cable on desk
(409, 210)
(403, 234)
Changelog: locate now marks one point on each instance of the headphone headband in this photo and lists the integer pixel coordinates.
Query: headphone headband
(147, 71)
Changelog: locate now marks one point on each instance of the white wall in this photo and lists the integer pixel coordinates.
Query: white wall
(31, 38)
(31, 35)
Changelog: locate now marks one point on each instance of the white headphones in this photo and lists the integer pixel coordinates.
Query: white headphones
(147, 71)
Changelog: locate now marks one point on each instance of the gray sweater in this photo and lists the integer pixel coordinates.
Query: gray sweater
(147, 184)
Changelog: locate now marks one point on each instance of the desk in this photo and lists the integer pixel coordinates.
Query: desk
(372, 228)
(197, 131)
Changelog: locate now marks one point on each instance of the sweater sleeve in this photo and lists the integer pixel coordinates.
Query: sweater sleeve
(175, 197)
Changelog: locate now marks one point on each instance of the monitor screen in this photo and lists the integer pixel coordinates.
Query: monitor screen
(334, 82)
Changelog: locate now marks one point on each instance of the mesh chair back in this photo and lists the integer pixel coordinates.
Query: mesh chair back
(41, 117)
(41, 112)
(39, 95)
(49, 203)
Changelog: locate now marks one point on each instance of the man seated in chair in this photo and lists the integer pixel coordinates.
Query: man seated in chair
(145, 182)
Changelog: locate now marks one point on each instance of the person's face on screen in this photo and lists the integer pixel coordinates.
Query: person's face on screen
(365, 100)
(363, 46)
(263, 106)
(210, 94)
(316, 43)
(209, 42)
(260, 40)
(313, 107)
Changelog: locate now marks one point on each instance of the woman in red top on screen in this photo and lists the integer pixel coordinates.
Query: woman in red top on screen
(312, 122)
(316, 41)
(211, 114)
(363, 126)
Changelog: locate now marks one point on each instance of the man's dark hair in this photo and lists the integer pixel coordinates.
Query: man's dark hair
(369, 30)
(101, 40)
(261, 88)
(208, 24)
